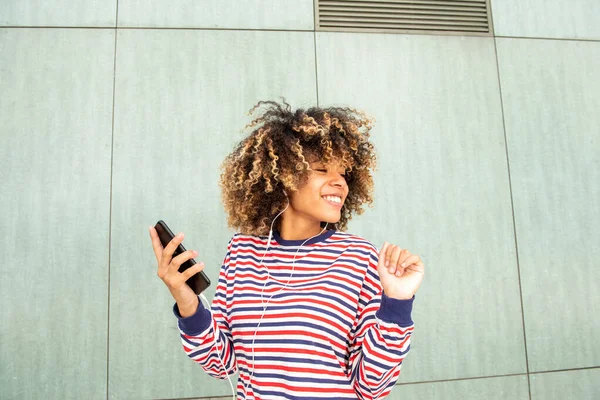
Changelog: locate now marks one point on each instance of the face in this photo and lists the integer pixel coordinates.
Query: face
(322, 196)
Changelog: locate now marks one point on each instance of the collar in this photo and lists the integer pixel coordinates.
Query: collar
(319, 238)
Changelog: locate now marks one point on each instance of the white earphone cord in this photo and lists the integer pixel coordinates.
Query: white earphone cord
(265, 285)
(217, 348)
(233, 393)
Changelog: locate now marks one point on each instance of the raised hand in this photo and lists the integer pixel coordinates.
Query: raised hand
(400, 272)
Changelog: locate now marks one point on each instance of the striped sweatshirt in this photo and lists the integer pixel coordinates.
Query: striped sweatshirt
(303, 322)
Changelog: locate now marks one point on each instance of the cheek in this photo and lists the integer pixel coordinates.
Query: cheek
(311, 188)
(311, 191)
(304, 197)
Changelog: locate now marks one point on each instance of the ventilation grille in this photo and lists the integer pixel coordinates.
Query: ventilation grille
(458, 16)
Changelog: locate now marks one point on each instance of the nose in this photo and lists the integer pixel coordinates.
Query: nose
(338, 180)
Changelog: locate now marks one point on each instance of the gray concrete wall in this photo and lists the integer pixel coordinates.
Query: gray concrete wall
(117, 114)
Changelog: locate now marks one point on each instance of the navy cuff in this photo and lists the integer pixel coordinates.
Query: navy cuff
(196, 323)
(395, 311)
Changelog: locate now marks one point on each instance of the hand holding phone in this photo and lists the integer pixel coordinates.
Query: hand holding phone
(176, 265)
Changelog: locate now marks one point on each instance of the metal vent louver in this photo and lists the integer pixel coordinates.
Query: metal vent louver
(450, 16)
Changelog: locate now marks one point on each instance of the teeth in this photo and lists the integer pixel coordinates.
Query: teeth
(334, 199)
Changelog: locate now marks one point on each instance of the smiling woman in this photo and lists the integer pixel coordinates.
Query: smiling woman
(279, 157)
(302, 309)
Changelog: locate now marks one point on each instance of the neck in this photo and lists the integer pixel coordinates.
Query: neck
(297, 228)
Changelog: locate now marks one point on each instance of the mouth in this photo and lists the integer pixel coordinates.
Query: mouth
(335, 201)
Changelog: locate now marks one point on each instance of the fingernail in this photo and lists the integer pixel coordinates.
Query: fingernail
(195, 253)
(404, 264)
(387, 263)
(180, 235)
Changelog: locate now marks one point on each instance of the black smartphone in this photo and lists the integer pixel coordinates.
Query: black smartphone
(198, 282)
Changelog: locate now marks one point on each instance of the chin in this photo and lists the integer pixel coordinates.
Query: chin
(331, 219)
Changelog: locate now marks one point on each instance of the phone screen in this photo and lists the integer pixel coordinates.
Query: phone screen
(198, 282)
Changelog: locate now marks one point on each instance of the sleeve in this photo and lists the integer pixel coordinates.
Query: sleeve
(207, 338)
(380, 338)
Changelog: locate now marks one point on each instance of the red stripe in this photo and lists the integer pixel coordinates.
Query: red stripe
(331, 290)
(298, 389)
(326, 304)
(295, 332)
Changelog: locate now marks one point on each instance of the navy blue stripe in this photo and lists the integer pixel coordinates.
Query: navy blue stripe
(283, 394)
(282, 295)
(291, 379)
(291, 360)
(291, 285)
(275, 250)
(310, 344)
(341, 270)
(299, 261)
(329, 282)
(296, 324)
(275, 261)
(296, 308)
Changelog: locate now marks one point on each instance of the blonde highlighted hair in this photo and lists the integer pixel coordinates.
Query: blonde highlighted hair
(275, 157)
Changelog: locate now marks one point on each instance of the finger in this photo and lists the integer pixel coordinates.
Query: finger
(167, 253)
(382, 252)
(188, 273)
(156, 244)
(417, 267)
(401, 263)
(393, 260)
(397, 267)
(183, 257)
(409, 260)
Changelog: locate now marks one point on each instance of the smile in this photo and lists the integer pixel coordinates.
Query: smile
(334, 200)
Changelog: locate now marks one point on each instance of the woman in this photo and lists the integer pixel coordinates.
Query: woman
(302, 309)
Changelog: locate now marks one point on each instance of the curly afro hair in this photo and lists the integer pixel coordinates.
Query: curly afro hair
(275, 158)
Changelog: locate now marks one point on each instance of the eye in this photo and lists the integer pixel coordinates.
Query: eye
(321, 170)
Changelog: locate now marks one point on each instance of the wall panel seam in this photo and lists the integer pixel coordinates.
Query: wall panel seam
(512, 205)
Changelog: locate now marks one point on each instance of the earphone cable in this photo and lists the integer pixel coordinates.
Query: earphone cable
(265, 285)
